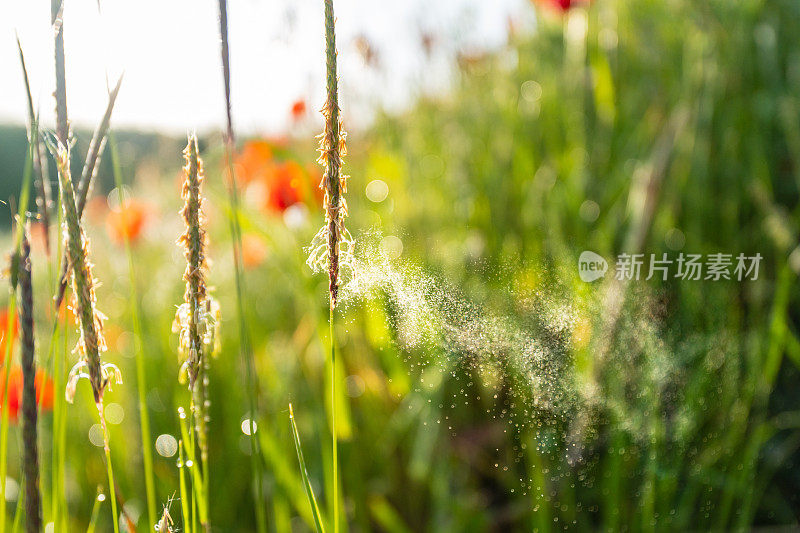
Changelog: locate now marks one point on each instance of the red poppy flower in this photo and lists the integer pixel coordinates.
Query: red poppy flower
(127, 221)
(4, 334)
(298, 109)
(272, 184)
(254, 250)
(96, 209)
(314, 172)
(254, 161)
(44, 390)
(563, 5)
(284, 186)
(38, 236)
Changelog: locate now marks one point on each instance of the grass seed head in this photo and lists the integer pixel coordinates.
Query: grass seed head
(327, 247)
(91, 343)
(166, 524)
(197, 319)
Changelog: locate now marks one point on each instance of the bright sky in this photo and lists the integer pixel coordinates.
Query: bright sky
(169, 51)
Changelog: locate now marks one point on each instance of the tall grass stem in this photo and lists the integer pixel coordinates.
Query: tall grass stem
(9, 333)
(141, 377)
(57, 22)
(111, 485)
(98, 499)
(334, 439)
(236, 238)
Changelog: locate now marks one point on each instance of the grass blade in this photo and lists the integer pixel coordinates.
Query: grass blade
(87, 176)
(198, 484)
(39, 160)
(12, 309)
(99, 499)
(184, 493)
(312, 500)
(15, 526)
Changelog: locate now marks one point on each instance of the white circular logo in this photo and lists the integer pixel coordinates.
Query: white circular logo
(591, 266)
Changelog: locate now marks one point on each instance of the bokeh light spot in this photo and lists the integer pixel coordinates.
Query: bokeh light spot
(166, 445)
(96, 435)
(531, 91)
(675, 239)
(355, 386)
(392, 246)
(114, 413)
(589, 210)
(377, 191)
(12, 489)
(246, 427)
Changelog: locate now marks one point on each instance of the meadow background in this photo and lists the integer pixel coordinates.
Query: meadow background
(484, 386)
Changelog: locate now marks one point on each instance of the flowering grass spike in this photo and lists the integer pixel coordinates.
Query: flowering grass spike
(197, 319)
(91, 343)
(332, 241)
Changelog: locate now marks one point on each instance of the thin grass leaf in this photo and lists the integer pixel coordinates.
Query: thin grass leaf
(98, 500)
(198, 485)
(286, 477)
(17, 524)
(88, 174)
(184, 493)
(312, 500)
(39, 160)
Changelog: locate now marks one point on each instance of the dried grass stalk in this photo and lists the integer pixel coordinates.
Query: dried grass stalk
(165, 523)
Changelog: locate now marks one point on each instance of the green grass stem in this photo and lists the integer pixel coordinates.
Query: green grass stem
(141, 377)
